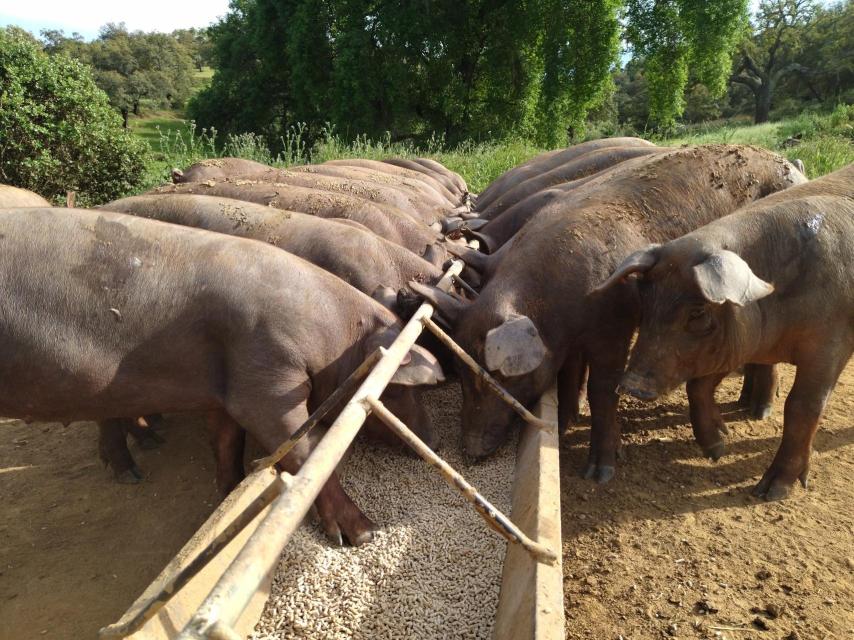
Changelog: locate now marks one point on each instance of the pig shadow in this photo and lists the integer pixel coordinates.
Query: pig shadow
(662, 470)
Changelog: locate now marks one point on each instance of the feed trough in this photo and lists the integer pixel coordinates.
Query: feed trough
(226, 598)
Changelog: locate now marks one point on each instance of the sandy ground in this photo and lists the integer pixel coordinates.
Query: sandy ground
(674, 547)
(77, 548)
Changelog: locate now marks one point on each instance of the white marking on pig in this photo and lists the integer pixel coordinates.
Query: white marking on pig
(814, 223)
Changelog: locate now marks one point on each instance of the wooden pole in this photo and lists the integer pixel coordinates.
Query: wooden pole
(493, 517)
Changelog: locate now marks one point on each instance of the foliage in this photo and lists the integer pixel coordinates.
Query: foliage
(57, 131)
(675, 36)
(135, 67)
(477, 69)
(771, 53)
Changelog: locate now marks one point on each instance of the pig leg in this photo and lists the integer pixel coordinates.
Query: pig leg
(113, 450)
(146, 437)
(706, 420)
(758, 390)
(270, 420)
(606, 366)
(746, 387)
(804, 406)
(765, 383)
(570, 381)
(228, 440)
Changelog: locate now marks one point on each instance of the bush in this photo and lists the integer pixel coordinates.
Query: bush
(57, 130)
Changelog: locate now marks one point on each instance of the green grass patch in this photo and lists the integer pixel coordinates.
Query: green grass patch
(151, 127)
(825, 143)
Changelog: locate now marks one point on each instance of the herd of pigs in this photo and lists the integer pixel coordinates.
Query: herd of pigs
(250, 293)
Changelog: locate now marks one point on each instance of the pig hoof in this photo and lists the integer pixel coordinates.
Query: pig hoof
(773, 487)
(760, 412)
(335, 537)
(605, 474)
(715, 451)
(361, 538)
(599, 474)
(130, 476)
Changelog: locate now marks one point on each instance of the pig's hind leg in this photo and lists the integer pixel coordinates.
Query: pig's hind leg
(814, 381)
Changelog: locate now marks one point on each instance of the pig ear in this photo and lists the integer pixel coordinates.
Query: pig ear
(514, 348)
(725, 277)
(386, 296)
(419, 369)
(448, 306)
(639, 262)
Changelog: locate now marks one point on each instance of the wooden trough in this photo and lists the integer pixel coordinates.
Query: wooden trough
(224, 600)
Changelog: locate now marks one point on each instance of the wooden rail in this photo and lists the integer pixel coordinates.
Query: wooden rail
(530, 605)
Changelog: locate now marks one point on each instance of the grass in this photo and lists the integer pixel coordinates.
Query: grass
(823, 142)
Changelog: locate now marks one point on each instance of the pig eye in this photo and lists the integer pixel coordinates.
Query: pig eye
(700, 321)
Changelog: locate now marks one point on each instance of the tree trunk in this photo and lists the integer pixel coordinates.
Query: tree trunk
(136, 108)
(125, 117)
(763, 103)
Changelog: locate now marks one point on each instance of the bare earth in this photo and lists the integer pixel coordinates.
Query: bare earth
(677, 547)
(674, 547)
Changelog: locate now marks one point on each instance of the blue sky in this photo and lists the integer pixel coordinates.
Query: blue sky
(86, 16)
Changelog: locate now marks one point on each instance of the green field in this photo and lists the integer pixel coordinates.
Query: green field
(823, 142)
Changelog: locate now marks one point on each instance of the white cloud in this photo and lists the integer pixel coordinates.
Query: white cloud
(86, 16)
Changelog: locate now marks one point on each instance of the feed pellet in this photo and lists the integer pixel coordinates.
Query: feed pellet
(434, 568)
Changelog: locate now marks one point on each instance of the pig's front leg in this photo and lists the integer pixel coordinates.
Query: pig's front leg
(814, 380)
(275, 417)
(706, 420)
(759, 390)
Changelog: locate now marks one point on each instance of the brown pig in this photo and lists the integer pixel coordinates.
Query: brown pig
(16, 197)
(387, 222)
(534, 321)
(770, 283)
(127, 317)
(546, 162)
(371, 264)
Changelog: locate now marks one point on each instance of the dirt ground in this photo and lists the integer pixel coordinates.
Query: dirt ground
(673, 547)
(77, 548)
(676, 547)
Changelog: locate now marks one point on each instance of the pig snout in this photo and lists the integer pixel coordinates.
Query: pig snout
(640, 386)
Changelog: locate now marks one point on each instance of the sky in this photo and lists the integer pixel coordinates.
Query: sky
(86, 16)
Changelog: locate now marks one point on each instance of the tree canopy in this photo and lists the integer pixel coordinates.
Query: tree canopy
(136, 67)
(57, 130)
(466, 69)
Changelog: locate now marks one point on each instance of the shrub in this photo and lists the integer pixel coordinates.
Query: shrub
(57, 130)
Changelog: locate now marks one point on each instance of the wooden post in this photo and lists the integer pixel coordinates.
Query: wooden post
(530, 605)
(70, 198)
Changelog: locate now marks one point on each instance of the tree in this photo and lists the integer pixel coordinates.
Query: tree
(471, 69)
(676, 37)
(580, 47)
(57, 130)
(135, 67)
(770, 55)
